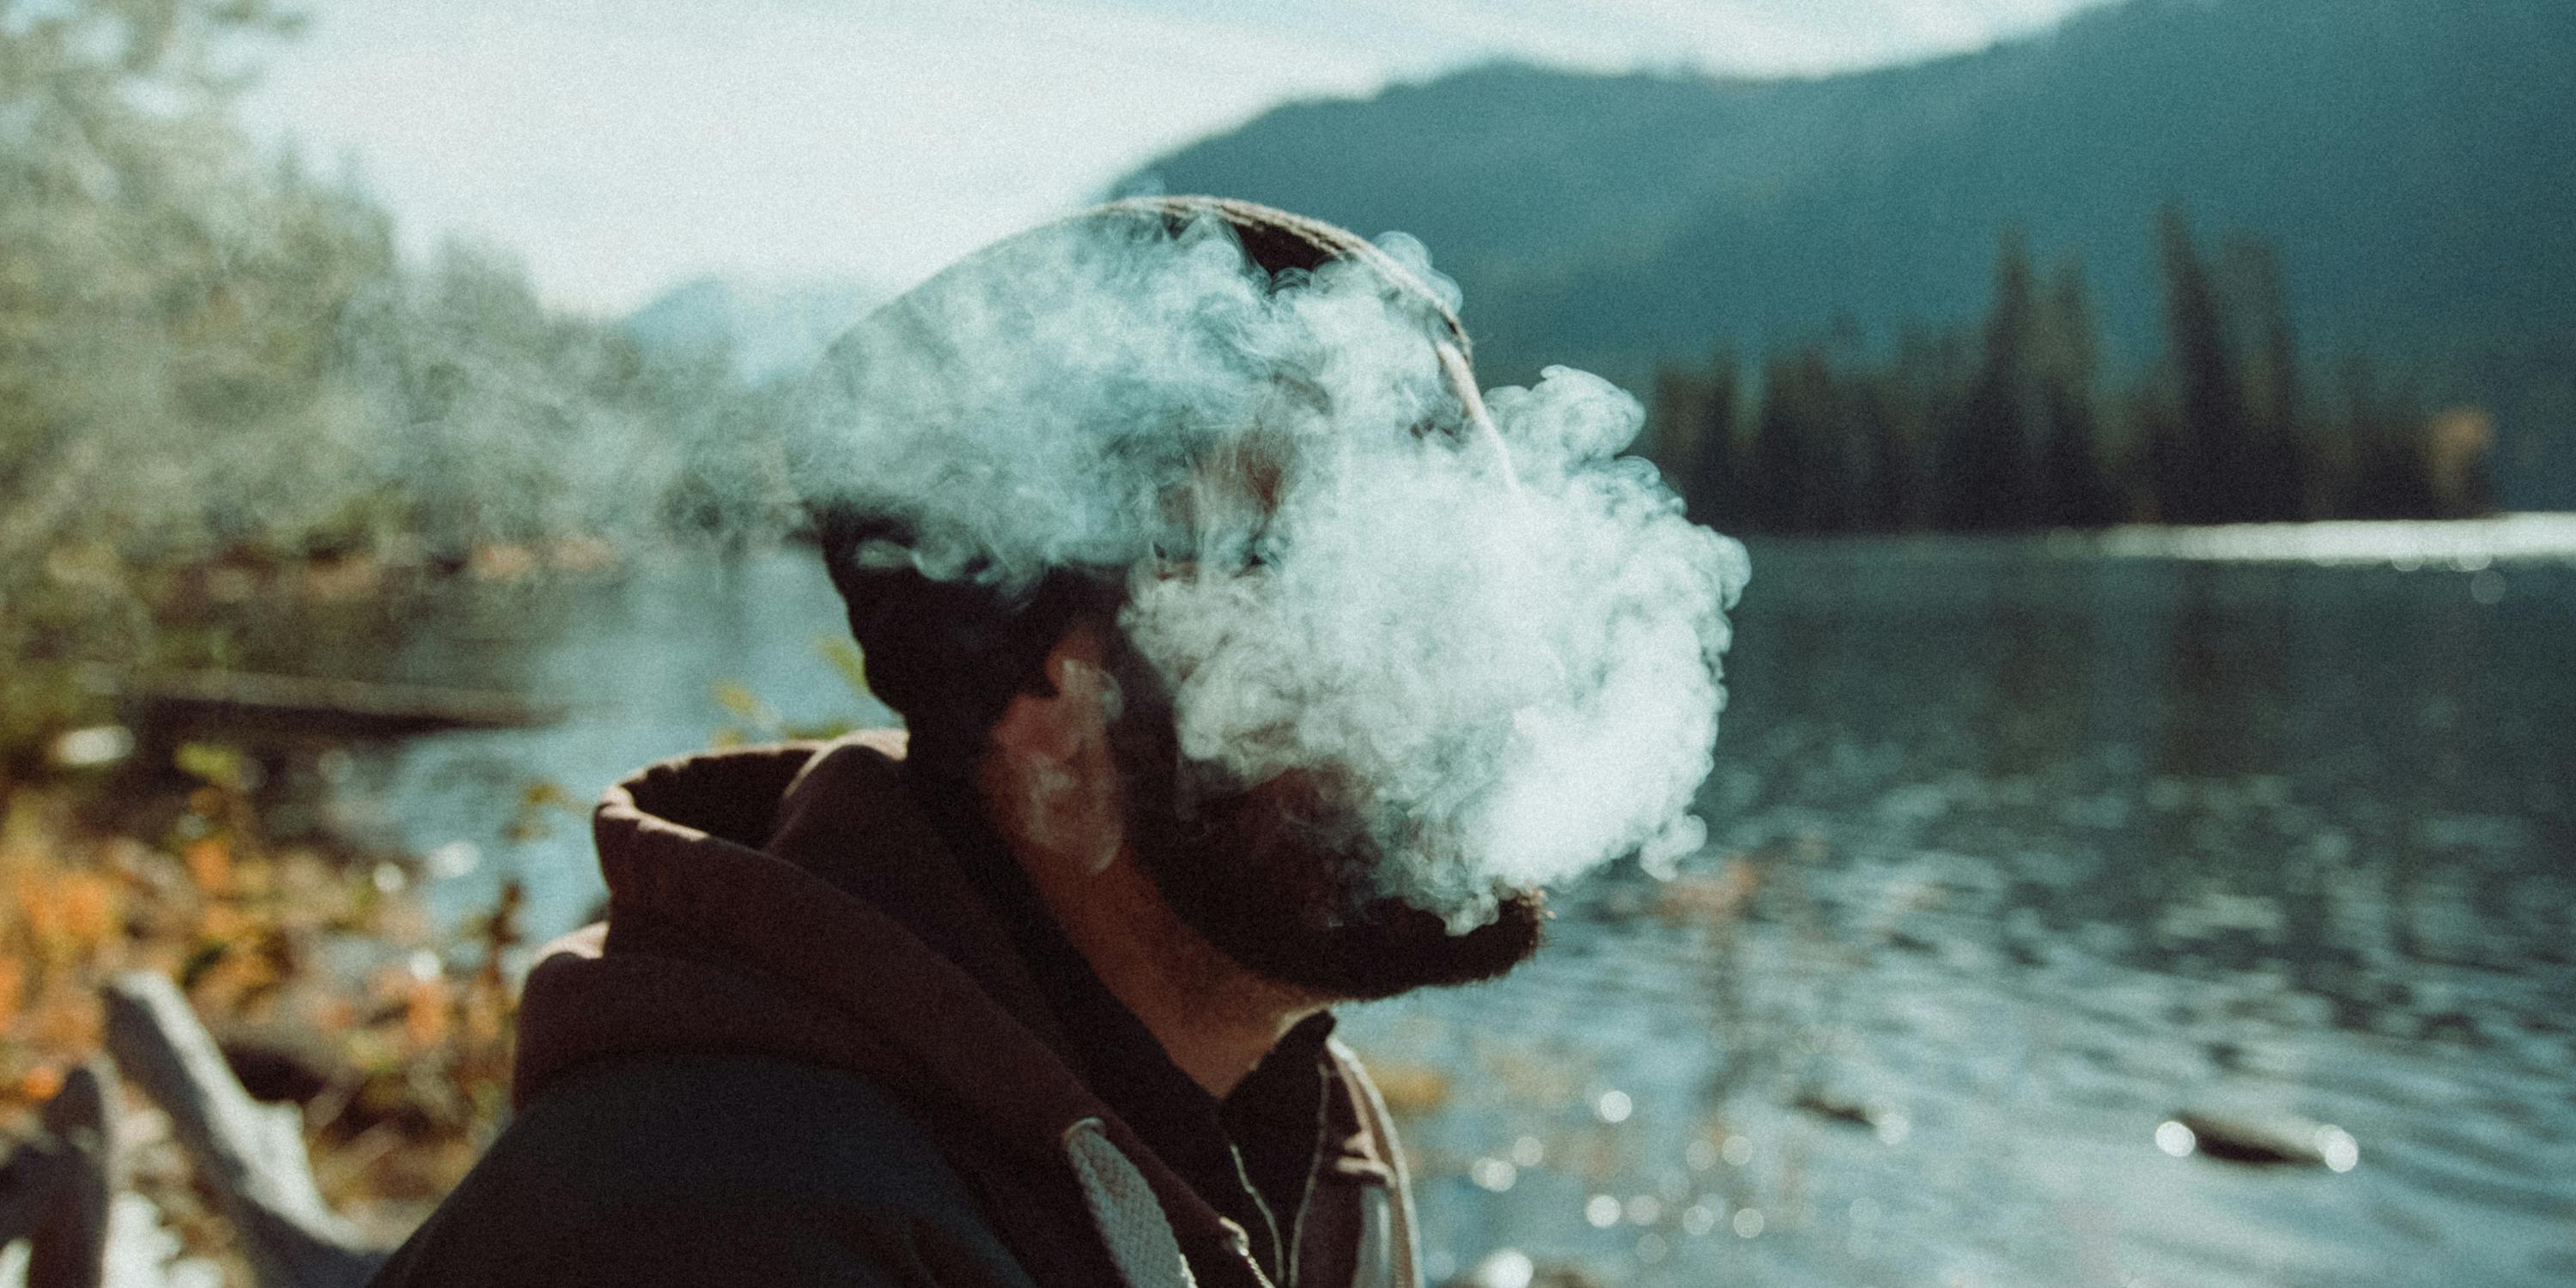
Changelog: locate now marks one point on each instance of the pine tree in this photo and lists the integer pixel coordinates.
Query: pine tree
(2211, 476)
(1671, 427)
(1790, 441)
(1882, 461)
(2073, 489)
(1983, 470)
(2278, 482)
(1716, 494)
(2390, 476)
(1694, 426)
(1927, 376)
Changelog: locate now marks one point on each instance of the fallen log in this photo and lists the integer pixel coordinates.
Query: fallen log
(250, 1154)
(234, 702)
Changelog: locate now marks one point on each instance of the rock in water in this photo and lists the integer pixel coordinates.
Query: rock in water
(1512, 1268)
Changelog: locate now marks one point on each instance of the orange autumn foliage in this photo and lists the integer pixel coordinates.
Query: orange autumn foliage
(416, 1068)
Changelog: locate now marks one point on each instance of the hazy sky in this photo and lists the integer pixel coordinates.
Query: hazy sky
(621, 146)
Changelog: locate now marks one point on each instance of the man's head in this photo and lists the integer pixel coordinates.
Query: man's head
(1087, 780)
(1356, 666)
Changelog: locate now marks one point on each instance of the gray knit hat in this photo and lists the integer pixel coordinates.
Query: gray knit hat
(950, 650)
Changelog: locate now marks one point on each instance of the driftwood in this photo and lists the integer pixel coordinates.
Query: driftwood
(234, 702)
(250, 1154)
(55, 1189)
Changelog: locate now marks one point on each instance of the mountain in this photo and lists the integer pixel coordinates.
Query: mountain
(767, 331)
(2414, 161)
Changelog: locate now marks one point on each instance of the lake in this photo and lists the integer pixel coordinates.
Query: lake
(2027, 857)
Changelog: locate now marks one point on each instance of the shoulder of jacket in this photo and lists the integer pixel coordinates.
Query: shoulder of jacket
(749, 1123)
(1390, 1249)
(673, 1168)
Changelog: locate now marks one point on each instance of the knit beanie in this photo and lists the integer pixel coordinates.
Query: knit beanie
(950, 651)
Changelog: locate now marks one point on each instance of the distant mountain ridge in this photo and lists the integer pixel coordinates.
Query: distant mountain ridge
(766, 332)
(2414, 161)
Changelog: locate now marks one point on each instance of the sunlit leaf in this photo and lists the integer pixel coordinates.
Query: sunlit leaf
(741, 702)
(847, 659)
(212, 764)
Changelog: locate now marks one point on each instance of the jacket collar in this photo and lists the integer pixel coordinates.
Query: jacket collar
(795, 901)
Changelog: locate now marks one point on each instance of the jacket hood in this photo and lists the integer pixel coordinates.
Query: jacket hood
(796, 902)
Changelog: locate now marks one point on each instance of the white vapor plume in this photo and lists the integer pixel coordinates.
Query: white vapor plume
(1498, 639)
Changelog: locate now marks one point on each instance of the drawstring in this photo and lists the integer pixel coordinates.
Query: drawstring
(1122, 1203)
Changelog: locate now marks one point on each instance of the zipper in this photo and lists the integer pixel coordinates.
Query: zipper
(1243, 1177)
(1314, 1168)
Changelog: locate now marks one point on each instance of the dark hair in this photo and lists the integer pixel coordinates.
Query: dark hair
(951, 654)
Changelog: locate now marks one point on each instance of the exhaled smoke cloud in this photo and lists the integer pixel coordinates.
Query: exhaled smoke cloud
(1495, 637)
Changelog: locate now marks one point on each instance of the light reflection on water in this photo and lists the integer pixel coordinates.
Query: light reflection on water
(2020, 855)
(2020, 852)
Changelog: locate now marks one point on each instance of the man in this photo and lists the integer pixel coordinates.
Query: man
(1036, 994)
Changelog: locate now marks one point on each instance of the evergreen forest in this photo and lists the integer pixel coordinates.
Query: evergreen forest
(2012, 423)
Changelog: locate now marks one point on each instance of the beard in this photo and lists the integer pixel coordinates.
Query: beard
(1281, 879)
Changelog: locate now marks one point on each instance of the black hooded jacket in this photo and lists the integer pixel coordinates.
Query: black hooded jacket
(821, 1039)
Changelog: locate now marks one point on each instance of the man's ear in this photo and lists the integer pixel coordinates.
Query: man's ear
(1051, 780)
(1055, 729)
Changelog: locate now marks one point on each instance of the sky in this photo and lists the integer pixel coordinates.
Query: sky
(619, 147)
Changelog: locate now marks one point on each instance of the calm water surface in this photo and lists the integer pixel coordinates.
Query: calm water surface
(2020, 851)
